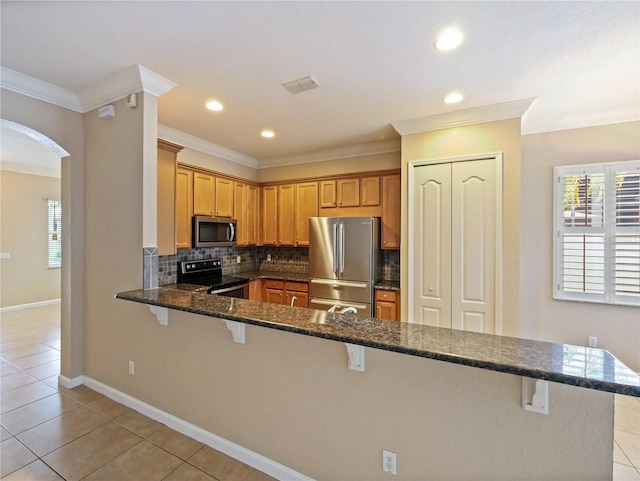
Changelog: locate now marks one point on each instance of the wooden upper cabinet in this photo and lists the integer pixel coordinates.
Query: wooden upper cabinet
(184, 207)
(203, 189)
(166, 217)
(240, 212)
(246, 209)
(391, 195)
(328, 194)
(223, 197)
(306, 205)
(370, 191)
(286, 202)
(253, 214)
(270, 215)
(348, 192)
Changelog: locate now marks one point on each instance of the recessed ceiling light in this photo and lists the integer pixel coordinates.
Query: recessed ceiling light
(449, 39)
(268, 134)
(214, 105)
(453, 98)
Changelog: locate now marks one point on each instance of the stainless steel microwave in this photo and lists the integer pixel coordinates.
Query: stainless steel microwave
(213, 231)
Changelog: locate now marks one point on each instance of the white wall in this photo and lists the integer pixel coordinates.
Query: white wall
(542, 317)
(25, 278)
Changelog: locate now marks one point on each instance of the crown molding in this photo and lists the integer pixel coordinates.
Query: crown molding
(133, 79)
(461, 118)
(38, 89)
(196, 143)
(121, 84)
(336, 153)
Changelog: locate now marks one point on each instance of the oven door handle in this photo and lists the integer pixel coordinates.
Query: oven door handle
(228, 289)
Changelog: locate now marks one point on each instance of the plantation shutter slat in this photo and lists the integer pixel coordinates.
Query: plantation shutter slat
(54, 243)
(597, 220)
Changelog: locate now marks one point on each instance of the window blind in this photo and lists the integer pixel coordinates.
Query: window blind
(54, 242)
(597, 233)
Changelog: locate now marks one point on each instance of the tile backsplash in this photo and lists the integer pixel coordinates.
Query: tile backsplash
(283, 259)
(168, 265)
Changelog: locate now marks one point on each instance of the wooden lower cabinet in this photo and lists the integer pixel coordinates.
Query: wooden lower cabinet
(255, 290)
(387, 305)
(277, 291)
(298, 292)
(273, 291)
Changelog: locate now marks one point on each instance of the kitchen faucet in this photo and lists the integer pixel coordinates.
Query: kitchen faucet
(348, 310)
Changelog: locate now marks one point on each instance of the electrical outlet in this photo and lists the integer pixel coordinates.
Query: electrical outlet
(388, 462)
(593, 341)
(238, 259)
(268, 257)
(132, 367)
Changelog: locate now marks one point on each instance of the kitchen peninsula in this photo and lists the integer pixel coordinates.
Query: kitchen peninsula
(435, 412)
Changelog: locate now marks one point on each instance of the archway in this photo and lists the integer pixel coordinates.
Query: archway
(52, 150)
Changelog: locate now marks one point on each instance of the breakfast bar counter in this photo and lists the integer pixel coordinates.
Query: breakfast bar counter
(561, 363)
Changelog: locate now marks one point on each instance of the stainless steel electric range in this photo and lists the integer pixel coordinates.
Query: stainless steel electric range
(208, 272)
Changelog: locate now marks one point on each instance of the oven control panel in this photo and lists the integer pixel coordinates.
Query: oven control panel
(187, 267)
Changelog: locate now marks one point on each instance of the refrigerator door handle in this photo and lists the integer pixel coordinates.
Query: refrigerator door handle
(335, 249)
(341, 230)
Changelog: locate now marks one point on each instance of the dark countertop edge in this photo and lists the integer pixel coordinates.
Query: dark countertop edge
(599, 385)
(279, 275)
(387, 285)
(304, 277)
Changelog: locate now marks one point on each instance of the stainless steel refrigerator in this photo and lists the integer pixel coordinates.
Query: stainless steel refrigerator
(344, 255)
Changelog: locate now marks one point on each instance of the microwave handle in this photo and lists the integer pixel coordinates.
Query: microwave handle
(231, 233)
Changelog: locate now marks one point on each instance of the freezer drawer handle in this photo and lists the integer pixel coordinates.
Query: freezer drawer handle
(337, 284)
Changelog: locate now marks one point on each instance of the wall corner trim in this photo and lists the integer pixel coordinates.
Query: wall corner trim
(70, 383)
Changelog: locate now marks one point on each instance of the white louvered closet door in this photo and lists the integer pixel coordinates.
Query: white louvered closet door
(454, 245)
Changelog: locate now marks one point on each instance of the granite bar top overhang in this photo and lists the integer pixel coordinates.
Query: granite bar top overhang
(563, 363)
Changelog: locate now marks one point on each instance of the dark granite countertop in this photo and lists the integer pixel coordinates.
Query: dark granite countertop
(279, 275)
(304, 277)
(563, 363)
(387, 285)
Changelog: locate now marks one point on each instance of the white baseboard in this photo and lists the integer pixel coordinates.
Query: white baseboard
(70, 383)
(225, 446)
(19, 307)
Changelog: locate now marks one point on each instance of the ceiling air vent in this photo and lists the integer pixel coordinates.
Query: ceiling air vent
(301, 85)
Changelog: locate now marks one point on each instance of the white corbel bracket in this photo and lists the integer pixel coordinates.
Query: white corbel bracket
(237, 331)
(535, 395)
(355, 356)
(161, 313)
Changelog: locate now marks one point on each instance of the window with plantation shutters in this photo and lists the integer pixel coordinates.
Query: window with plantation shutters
(54, 242)
(597, 233)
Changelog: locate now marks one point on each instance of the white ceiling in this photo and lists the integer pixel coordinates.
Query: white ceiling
(374, 61)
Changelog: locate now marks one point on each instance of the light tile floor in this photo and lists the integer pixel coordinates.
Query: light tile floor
(51, 433)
